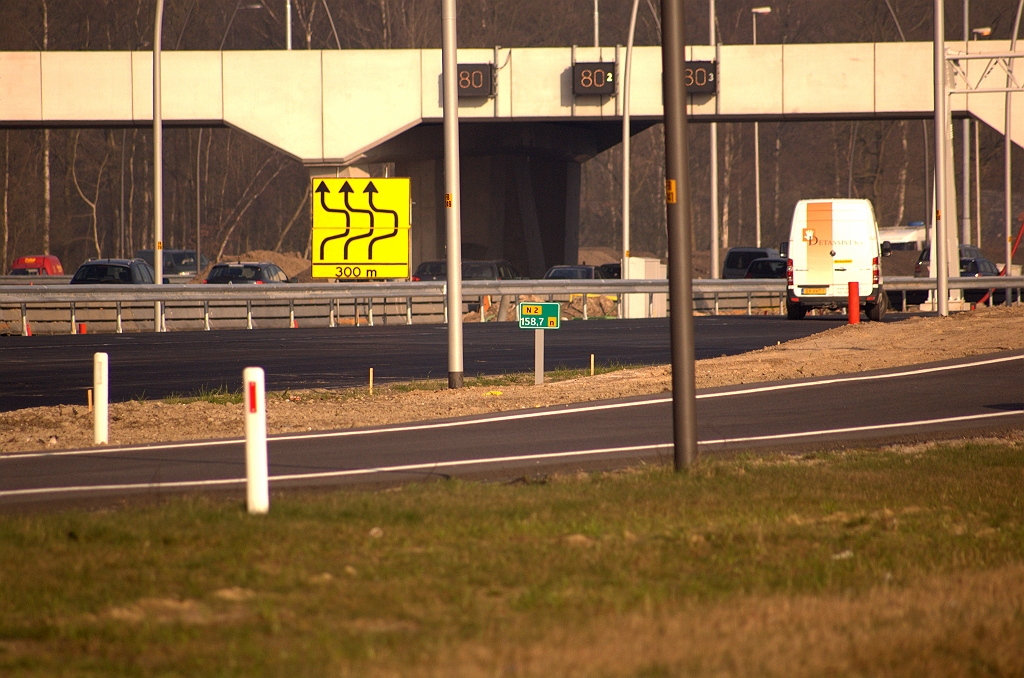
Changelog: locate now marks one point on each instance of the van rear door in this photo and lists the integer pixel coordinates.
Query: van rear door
(817, 236)
(851, 241)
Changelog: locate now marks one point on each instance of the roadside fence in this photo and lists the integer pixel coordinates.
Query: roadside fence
(63, 308)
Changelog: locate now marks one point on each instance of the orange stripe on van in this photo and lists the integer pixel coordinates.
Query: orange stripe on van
(818, 236)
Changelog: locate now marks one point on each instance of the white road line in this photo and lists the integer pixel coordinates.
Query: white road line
(863, 377)
(515, 415)
(429, 466)
(858, 429)
(335, 474)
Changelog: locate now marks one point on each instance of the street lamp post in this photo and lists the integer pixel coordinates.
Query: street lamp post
(942, 132)
(453, 200)
(627, 70)
(757, 138)
(714, 158)
(965, 221)
(982, 32)
(158, 165)
(677, 204)
(1007, 150)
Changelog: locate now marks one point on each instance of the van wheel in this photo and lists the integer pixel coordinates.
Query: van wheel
(877, 311)
(795, 310)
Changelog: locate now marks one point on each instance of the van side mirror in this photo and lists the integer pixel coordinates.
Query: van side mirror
(784, 249)
(886, 248)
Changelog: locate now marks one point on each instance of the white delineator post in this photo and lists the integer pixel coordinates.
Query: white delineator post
(257, 490)
(100, 418)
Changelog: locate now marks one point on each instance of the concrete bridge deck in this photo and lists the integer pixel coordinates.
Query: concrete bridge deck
(334, 106)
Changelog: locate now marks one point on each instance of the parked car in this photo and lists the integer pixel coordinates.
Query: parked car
(176, 262)
(922, 269)
(573, 273)
(431, 270)
(497, 269)
(980, 267)
(114, 272)
(738, 259)
(246, 273)
(611, 271)
(766, 268)
(39, 264)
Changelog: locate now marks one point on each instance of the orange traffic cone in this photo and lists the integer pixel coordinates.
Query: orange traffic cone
(28, 329)
(295, 324)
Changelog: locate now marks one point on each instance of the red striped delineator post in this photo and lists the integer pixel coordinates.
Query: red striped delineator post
(257, 490)
(853, 303)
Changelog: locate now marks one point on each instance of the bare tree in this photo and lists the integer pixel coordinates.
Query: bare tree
(298, 210)
(728, 167)
(96, 194)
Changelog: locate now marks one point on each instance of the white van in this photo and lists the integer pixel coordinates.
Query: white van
(832, 243)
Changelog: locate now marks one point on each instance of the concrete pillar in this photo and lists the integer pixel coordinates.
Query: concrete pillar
(573, 178)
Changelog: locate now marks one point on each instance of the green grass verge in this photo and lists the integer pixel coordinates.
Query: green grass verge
(218, 396)
(339, 583)
(221, 395)
(558, 373)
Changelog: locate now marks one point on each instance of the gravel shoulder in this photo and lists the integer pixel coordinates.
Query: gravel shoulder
(846, 349)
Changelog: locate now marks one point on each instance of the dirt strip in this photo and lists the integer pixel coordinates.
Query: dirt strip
(840, 350)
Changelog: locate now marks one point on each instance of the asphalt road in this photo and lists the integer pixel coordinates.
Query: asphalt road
(52, 370)
(975, 394)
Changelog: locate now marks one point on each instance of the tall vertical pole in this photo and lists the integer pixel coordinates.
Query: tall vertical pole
(453, 217)
(965, 222)
(158, 162)
(715, 256)
(677, 198)
(199, 204)
(977, 186)
(288, 24)
(1007, 151)
(597, 24)
(627, 72)
(757, 163)
(942, 130)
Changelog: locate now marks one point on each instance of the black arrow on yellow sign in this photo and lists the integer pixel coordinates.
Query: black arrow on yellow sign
(347, 190)
(322, 190)
(371, 189)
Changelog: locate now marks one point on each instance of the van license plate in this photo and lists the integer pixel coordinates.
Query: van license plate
(813, 290)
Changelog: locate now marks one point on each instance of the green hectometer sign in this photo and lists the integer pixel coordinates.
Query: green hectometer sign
(533, 316)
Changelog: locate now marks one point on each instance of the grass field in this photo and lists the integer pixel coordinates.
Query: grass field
(871, 563)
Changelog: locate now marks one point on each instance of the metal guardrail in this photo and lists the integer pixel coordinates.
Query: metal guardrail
(34, 280)
(62, 293)
(140, 304)
(910, 284)
(184, 293)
